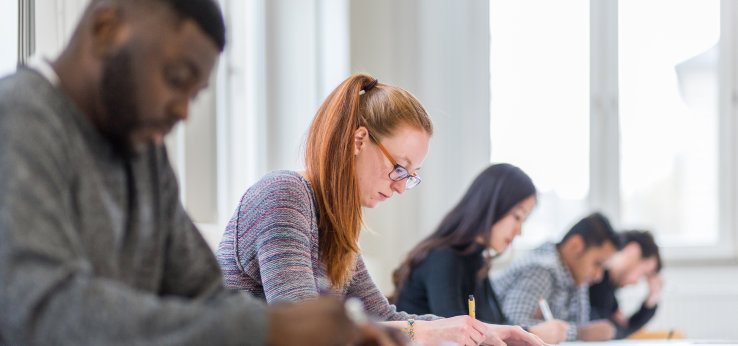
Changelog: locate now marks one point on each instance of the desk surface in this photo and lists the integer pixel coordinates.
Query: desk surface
(682, 342)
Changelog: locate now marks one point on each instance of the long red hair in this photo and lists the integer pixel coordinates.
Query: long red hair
(330, 161)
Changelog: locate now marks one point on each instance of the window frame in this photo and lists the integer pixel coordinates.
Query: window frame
(604, 122)
(604, 138)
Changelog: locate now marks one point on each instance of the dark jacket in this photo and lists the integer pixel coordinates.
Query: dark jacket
(604, 304)
(442, 284)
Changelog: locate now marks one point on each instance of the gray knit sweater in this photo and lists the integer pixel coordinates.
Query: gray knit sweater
(270, 249)
(95, 249)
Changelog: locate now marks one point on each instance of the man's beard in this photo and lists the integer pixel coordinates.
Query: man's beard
(121, 114)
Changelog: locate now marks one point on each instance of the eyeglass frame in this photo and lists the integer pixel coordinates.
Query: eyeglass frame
(395, 166)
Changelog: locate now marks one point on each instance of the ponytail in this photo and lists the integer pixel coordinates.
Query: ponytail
(330, 161)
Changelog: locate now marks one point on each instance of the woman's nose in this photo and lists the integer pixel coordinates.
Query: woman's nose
(398, 186)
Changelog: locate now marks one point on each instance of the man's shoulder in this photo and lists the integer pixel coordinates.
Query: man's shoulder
(543, 258)
(27, 110)
(534, 269)
(24, 88)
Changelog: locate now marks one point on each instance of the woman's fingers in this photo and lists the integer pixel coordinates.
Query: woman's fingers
(476, 336)
(494, 339)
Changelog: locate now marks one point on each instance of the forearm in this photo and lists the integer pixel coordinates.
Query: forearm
(520, 303)
(638, 320)
(396, 324)
(416, 329)
(83, 310)
(390, 314)
(519, 310)
(363, 287)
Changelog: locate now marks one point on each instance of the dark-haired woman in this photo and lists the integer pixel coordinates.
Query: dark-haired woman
(453, 262)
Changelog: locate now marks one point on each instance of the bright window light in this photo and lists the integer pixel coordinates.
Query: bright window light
(668, 86)
(540, 105)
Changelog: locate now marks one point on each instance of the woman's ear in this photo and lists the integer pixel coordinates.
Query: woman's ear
(361, 138)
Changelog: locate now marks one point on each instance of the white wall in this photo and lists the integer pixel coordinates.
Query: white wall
(700, 301)
(439, 51)
(55, 21)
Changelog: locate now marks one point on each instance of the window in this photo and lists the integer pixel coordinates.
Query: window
(540, 105)
(622, 107)
(9, 38)
(669, 118)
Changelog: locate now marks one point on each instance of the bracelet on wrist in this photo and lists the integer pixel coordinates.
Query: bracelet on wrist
(410, 330)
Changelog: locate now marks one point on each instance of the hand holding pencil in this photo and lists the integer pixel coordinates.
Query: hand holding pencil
(472, 309)
(552, 331)
(545, 309)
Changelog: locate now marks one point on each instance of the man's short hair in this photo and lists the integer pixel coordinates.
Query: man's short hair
(206, 14)
(595, 230)
(647, 243)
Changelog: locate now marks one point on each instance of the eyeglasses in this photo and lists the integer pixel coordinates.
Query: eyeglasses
(398, 172)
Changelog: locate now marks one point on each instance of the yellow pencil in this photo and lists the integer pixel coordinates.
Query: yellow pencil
(472, 313)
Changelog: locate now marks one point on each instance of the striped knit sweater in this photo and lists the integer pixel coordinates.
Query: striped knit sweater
(270, 249)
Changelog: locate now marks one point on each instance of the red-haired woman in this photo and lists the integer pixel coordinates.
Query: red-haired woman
(295, 235)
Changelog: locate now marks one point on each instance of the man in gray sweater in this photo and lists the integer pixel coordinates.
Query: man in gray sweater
(95, 246)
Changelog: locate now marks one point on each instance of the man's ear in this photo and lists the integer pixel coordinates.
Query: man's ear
(632, 250)
(576, 244)
(107, 30)
(361, 139)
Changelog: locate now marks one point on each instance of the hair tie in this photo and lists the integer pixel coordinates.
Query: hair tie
(370, 86)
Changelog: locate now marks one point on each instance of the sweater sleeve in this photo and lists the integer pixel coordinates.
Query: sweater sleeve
(190, 269)
(363, 287)
(637, 321)
(50, 291)
(284, 248)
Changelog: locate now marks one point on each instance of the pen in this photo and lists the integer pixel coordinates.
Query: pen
(472, 313)
(545, 310)
(355, 311)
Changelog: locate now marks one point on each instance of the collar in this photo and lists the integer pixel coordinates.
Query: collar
(563, 274)
(43, 67)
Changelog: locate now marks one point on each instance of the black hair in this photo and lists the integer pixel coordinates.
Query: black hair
(645, 241)
(595, 230)
(490, 197)
(206, 14)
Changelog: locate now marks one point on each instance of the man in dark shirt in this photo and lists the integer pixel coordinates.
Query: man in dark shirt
(638, 258)
(95, 246)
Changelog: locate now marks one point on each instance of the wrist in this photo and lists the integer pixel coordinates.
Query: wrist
(409, 329)
(651, 301)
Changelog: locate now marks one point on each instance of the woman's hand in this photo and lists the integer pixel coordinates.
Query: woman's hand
(462, 330)
(552, 332)
(502, 335)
